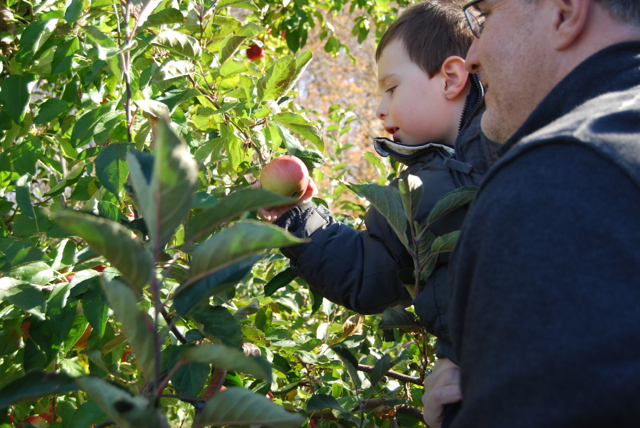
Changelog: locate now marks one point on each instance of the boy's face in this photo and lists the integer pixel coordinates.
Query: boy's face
(413, 108)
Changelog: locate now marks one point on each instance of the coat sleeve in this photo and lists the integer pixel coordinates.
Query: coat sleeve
(353, 268)
(544, 307)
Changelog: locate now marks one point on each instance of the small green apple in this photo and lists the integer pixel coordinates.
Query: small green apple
(286, 175)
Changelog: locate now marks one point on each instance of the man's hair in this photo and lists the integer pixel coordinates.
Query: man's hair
(431, 32)
(627, 11)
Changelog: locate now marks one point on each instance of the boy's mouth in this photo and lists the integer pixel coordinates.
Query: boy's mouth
(393, 131)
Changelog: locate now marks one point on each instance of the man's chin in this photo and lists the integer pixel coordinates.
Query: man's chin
(493, 127)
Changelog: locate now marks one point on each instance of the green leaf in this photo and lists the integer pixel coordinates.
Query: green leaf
(398, 317)
(218, 324)
(69, 180)
(278, 79)
(153, 108)
(214, 284)
(173, 98)
(350, 363)
(280, 280)
(323, 401)
(24, 296)
(136, 325)
(34, 385)
(229, 46)
(16, 93)
(33, 38)
(445, 243)
(387, 201)
(190, 378)
(302, 126)
(242, 240)
(95, 306)
(63, 57)
(167, 198)
(87, 414)
(84, 128)
(163, 17)
(23, 196)
(232, 206)
(451, 201)
(50, 110)
(125, 410)
(226, 358)
(172, 69)
(111, 240)
(179, 43)
(410, 194)
(383, 365)
(74, 11)
(111, 167)
(238, 406)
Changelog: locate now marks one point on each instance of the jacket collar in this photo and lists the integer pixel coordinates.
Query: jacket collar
(590, 79)
(405, 153)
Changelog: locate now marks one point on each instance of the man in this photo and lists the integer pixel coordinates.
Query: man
(545, 304)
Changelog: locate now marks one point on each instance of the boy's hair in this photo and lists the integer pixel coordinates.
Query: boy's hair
(431, 32)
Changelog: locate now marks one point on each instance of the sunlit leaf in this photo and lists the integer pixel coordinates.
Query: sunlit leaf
(179, 43)
(136, 325)
(229, 46)
(15, 91)
(165, 16)
(302, 126)
(279, 281)
(111, 240)
(238, 406)
(167, 198)
(23, 295)
(350, 363)
(278, 79)
(410, 194)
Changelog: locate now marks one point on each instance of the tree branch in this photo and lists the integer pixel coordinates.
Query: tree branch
(395, 375)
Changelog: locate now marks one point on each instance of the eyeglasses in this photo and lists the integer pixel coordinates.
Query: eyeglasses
(474, 18)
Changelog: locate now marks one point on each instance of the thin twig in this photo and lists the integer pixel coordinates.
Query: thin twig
(394, 375)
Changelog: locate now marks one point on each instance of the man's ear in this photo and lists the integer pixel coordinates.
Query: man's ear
(570, 19)
(455, 77)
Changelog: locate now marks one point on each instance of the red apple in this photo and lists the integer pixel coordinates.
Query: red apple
(25, 329)
(255, 52)
(286, 175)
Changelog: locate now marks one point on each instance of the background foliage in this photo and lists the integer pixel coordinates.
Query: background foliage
(133, 268)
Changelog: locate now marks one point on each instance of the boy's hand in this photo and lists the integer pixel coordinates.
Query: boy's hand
(271, 214)
(441, 387)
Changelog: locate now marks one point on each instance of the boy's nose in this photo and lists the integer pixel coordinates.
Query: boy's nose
(381, 112)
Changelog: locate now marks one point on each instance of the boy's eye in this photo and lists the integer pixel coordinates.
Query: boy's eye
(390, 90)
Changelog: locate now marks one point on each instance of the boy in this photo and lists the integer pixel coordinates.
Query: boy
(429, 105)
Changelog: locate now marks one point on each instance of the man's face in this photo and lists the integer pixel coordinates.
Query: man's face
(413, 107)
(512, 58)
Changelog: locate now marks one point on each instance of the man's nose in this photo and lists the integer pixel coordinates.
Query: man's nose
(471, 62)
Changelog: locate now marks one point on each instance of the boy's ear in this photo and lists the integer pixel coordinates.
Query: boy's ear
(455, 77)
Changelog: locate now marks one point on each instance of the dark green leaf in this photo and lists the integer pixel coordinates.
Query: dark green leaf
(239, 406)
(85, 126)
(24, 296)
(26, 154)
(217, 322)
(167, 199)
(215, 283)
(34, 385)
(136, 325)
(50, 109)
(398, 317)
(224, 357)
(386, 200)
(323, 401)
(445, 243)
(111, 240)
(63, 58)
(179, 43)
(16, 94)
(173, 98)
(23, 196)
(243, 239)
(69, 180)
(280, 280)
(383, 365)
(87, 414)
(111, 167)
(74, 11)
(127, 411)
(231, 207)
(33, 38)
(350, 363)
(95, 307)
(451, 201)
(190, 379)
